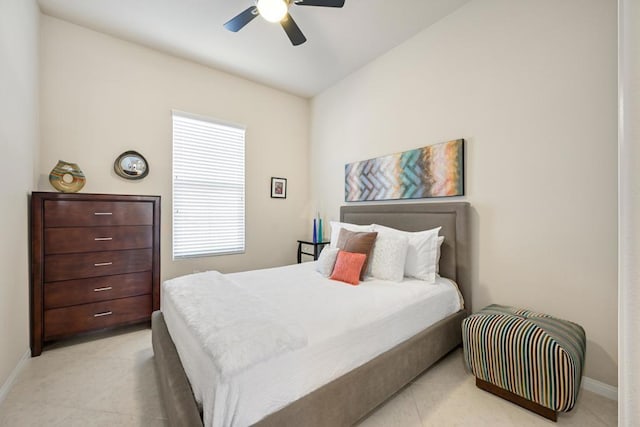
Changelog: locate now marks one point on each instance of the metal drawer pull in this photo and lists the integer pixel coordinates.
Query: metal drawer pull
(101, 264)
(103, 213)
(106, 313)
(102, 239)
(107, 288)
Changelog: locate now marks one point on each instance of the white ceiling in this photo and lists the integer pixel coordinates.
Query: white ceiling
(339, 40)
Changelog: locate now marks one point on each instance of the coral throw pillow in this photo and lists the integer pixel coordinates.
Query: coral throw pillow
(348, 267)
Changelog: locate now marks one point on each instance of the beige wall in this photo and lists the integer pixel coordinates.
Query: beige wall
(629, 232)
(531, 86)
(102, 96)
(18, 151)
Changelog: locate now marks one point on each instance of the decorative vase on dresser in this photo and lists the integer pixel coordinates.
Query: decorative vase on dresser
(95, 263)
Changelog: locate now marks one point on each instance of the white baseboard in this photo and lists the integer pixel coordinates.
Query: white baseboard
(598, 387)
(6, 387)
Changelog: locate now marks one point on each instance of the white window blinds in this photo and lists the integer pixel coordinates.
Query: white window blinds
(208, 187)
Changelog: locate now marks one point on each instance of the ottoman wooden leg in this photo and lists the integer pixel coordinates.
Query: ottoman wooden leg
(521, 401)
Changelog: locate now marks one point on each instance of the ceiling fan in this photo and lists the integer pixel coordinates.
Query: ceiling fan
(278, 11)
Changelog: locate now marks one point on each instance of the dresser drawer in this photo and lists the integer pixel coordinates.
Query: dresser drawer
(82, 291)
(95, 264)
(95, 239)
(74, 213)
(60, 322)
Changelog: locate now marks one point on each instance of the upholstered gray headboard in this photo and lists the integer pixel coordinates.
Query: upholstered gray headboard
(452, 217)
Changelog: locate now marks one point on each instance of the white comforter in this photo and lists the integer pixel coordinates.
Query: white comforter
(345, 326)
(236, 328)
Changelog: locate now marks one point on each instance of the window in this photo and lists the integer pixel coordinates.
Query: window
(208, 187)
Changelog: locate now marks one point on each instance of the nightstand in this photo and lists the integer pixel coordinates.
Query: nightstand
(317, 248)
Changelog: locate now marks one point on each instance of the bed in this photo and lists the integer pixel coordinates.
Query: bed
(353, 394)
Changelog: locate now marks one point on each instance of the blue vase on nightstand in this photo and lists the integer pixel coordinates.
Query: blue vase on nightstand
(315, 232)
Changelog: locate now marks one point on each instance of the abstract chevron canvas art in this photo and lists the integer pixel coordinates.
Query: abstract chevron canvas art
(432, 171)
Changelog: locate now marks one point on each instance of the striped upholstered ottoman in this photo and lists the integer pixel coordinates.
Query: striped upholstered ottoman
(531, 359)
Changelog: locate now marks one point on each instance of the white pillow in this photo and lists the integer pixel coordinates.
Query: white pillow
(421, 253)
(388, 257)
(337, 225)
(440, 240)
(326, 261)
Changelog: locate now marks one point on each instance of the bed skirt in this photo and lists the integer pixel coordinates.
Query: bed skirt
(342, 402)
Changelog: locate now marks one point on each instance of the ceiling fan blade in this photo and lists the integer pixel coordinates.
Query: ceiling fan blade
(292, 30)
(325, 3)
(236, 23)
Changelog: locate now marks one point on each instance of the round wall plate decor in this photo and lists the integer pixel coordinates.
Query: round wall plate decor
(131, 165)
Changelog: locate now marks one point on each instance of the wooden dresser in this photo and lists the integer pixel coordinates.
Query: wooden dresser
(95, 263)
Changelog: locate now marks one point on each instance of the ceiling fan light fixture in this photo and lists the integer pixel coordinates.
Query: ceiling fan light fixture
(278, 11)
(273, 10)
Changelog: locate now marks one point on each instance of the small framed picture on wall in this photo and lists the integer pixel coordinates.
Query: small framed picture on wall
(278, 188)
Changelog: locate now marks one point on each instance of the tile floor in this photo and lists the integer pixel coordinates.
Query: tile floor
(109, 380)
